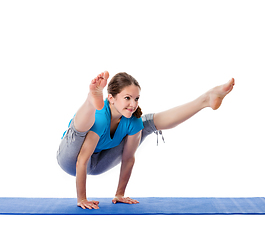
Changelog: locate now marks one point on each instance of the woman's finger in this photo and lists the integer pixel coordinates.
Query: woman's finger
(129, 200)
(89, 204)
(95, 206)
(132, 201)
(82, 206)
(124, 200)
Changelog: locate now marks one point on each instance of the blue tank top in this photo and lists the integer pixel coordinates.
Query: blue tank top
(127, 126)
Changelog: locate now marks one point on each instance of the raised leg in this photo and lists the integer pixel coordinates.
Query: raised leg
(173, 117)
(85, 116)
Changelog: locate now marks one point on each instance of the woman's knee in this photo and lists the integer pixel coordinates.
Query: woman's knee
(67, 164)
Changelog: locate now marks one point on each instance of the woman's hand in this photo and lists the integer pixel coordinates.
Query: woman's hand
(124, 200)
(88, 204)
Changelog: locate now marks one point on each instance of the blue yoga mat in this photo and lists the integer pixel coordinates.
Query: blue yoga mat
(147, 206)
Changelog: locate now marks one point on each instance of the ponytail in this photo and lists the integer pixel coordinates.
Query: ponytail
(138, 113)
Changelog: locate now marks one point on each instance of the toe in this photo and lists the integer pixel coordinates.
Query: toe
(106, 74)
(228, 86)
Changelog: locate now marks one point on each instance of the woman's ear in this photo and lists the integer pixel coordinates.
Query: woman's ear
(110, 99)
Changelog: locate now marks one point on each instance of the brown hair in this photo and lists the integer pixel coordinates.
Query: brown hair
(118, 83)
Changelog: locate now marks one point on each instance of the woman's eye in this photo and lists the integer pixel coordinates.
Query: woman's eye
(128, 98)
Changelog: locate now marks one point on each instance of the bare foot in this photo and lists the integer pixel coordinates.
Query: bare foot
(96, 90)
(217, 94)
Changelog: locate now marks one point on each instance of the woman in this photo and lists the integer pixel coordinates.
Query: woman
(104, 133)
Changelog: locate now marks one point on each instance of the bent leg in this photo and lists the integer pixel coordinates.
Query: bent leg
(69, 149)
(99, 162)
(173, 117)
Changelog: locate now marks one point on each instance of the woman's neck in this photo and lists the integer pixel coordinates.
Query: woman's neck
(115, 115)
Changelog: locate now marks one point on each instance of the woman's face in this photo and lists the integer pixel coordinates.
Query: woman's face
(126, 102)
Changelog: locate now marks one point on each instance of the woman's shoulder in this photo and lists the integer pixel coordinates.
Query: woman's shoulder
(136, 120)
(101, 124)
(103, 115)
(133, 122)
(134, 125)
(102, 118)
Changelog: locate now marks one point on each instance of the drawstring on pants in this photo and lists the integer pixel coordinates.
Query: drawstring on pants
(159, 132)
(70, 136)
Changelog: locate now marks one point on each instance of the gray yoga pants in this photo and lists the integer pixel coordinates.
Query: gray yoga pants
(99, 162)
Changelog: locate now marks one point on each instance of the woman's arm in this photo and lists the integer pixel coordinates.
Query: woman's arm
(128, 159)
(85, 153)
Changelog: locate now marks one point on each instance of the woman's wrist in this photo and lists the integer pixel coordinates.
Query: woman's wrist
(81, 199)
(119, 194)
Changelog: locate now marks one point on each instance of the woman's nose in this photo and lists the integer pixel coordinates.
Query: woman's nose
(133, 103)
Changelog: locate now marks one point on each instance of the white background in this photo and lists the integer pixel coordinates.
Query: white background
(177, 50)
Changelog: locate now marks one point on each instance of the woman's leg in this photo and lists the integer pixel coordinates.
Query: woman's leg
(173, 117)
(69, 149)
(84, 119)
(85, 116)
